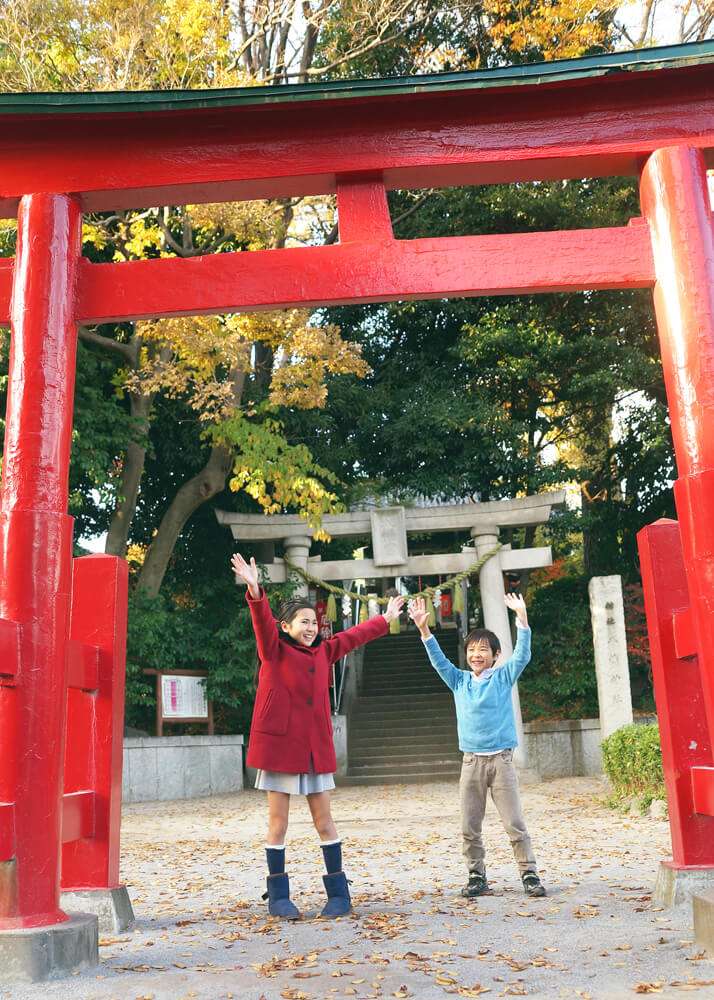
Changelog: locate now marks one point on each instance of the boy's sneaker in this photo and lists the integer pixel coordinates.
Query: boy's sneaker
(532, 884)
(476, 886)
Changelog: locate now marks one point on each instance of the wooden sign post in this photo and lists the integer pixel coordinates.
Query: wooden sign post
(181, 698)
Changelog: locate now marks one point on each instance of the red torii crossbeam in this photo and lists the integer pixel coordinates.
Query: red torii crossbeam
(646, 114)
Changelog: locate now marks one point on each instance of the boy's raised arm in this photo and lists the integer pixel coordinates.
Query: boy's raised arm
(449, 674)
(520, 658)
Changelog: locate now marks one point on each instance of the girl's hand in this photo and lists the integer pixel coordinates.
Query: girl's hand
(419, 615)
(394, 608)
(246, 573)
(516, 603)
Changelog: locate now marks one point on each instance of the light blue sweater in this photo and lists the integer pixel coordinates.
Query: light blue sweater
(484, 711)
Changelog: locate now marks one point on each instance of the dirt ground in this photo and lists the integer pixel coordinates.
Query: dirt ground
(195, 872)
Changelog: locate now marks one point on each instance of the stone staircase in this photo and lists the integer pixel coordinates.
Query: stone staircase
(402, 727)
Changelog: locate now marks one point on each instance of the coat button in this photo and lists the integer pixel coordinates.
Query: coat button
(311, 670)
(309, 701)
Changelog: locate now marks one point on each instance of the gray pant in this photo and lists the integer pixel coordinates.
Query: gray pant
(498, 773)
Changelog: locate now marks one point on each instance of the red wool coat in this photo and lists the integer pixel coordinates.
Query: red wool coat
(291, 718)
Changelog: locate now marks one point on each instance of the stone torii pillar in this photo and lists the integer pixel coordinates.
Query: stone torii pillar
(297, 550)
(495, 616)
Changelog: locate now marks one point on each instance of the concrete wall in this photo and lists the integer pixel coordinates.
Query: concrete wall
(181, 767)
(563, 749)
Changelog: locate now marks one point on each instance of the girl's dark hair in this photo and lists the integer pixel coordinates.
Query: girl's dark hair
(288, 609)
(476, 634)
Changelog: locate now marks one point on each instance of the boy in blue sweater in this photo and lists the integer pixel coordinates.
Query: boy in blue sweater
(487, 738)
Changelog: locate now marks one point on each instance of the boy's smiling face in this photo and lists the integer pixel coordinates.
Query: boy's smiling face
(479, 656)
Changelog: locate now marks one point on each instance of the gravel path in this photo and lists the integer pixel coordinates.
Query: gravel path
(195, 875)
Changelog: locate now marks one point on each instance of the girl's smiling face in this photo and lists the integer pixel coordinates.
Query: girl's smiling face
(302, 627)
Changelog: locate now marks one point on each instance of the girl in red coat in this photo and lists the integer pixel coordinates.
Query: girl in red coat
(291, 741)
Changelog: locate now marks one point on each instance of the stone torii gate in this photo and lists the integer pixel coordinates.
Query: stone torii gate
(646, 114)
(389, 528)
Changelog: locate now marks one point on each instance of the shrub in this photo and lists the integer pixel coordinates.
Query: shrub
(632, 760)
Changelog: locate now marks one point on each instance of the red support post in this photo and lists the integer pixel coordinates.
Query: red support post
(362, 210)
(36, 555)
(676, 203)
(684, 735)
(95, 719)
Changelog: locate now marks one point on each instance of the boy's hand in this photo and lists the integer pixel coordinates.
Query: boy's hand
(420, 616)
(394, 608)
(246, 573)
(516, 603)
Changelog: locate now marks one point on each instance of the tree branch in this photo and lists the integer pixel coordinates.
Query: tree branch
(125, 351)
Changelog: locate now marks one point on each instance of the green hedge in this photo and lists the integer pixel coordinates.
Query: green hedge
(632, 760)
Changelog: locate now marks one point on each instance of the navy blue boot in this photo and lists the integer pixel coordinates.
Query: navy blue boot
(338, 895)
(278, 896)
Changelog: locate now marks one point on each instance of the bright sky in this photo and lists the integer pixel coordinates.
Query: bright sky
(666, 20)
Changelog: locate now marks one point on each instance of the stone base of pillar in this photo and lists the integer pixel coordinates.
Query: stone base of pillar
(112, 907)
(36, 954)
(677, 885)
(703, 913)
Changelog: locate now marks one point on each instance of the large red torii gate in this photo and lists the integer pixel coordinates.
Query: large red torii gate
(648, 114)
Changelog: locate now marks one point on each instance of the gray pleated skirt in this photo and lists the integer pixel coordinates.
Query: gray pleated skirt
(294, 784)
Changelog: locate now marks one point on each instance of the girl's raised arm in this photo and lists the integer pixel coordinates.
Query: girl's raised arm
(358, 635)
(264, 626)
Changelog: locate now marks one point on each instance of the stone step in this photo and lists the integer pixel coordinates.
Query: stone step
(397, 778)
(442, 762)
(404, 690)
(418, 730)
(404, 727)
(427, 699)
(392, 672)
(421, 732)
(403, 760)
(415, 666)
(400, 659)
(447, 743)
(398, 656)
(403, 724)
(403, 710)
(404, 638)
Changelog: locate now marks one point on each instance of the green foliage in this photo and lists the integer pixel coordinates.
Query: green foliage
(560, 679)
(206, 629)
(632, 760)
(101, 427)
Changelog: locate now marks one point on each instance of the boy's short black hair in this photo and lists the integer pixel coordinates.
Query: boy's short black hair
(476, 634)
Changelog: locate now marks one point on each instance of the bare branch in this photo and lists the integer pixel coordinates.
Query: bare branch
(413, 208)
(125, 351)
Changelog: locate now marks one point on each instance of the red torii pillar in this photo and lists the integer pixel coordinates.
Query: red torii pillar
(36, 572)
(677, 558)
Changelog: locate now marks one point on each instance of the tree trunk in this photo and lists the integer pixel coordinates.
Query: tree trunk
(201, 487)
(206, 484)
(132, 470)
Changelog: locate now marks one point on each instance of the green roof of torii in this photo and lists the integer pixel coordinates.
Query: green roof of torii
(102, 102)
